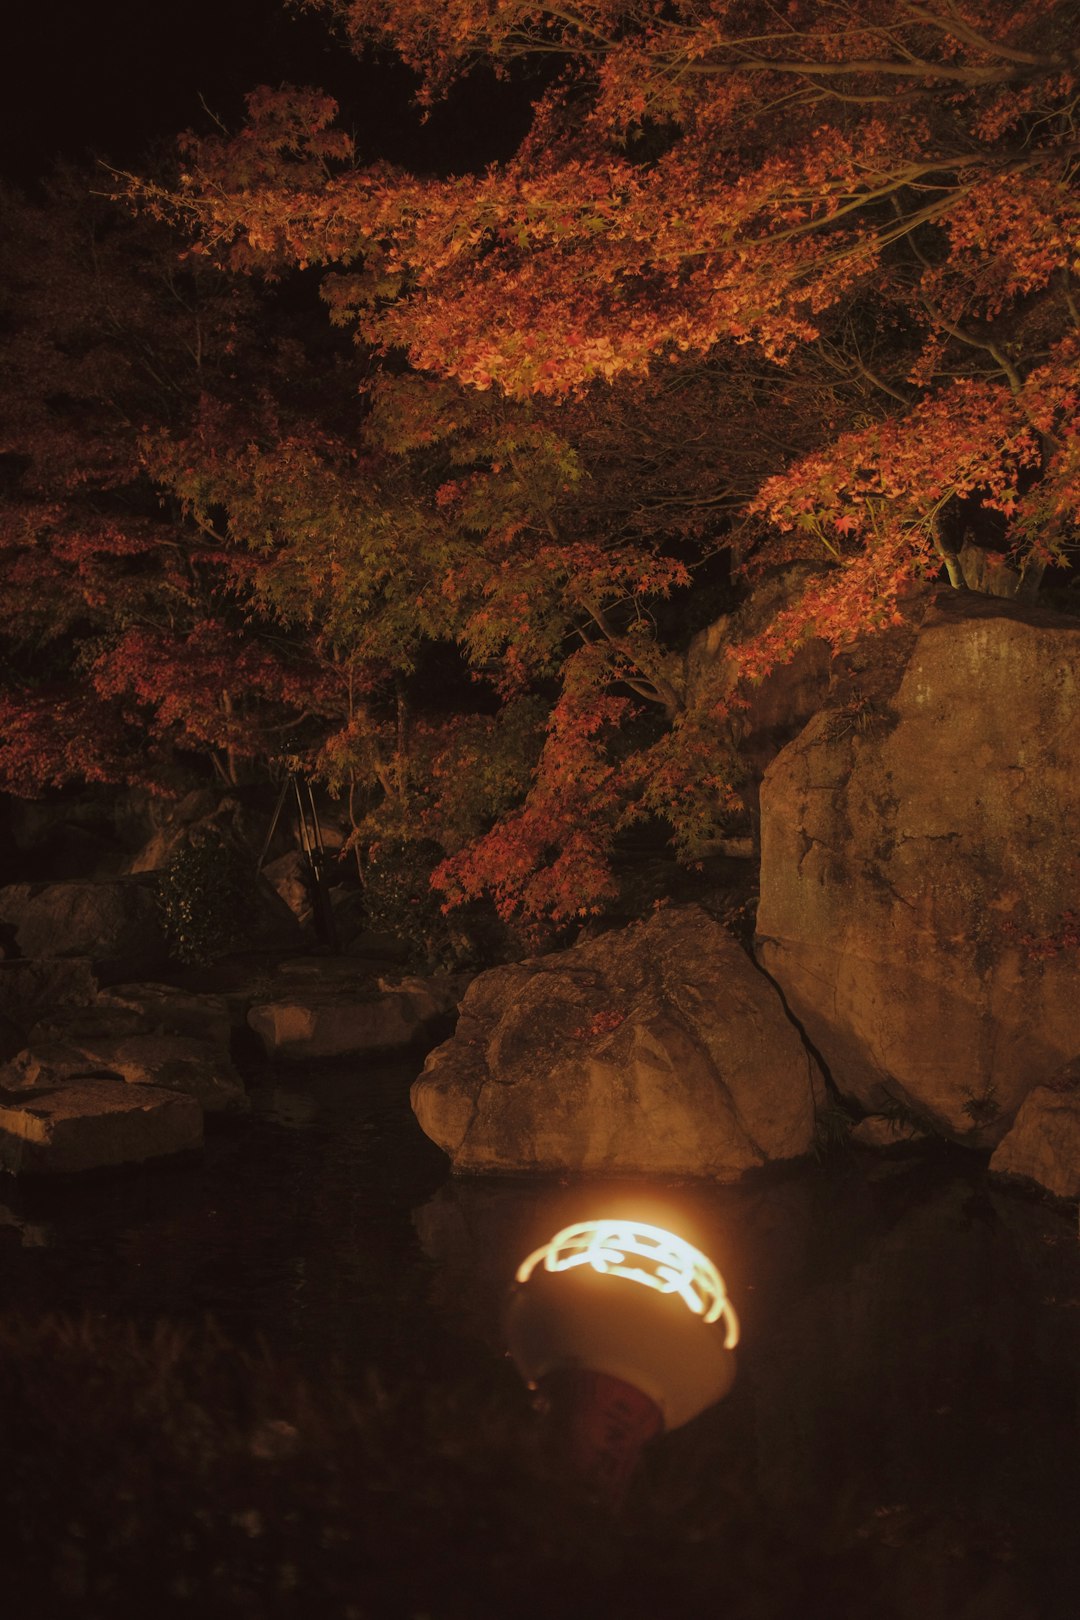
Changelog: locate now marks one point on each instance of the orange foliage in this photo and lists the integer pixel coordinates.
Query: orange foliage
(786, 281)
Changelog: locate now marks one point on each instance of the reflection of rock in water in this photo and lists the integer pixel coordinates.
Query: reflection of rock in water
(922, 1395)
(293, 1108)
(476, 1230)
(907, 1387)
(766, 1237)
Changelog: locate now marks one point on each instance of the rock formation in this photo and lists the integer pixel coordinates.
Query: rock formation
(113, 921)
(93, 1123)
(329, 1017)
(1044, 1143)
(657, 1049)
(920, 872)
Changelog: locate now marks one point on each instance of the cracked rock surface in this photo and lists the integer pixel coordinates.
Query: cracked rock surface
(654, 1049)
(919, 872)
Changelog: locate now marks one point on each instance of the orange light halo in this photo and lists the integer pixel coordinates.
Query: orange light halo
(676, 1266)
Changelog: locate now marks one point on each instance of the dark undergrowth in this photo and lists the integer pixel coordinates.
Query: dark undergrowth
(169, 1473)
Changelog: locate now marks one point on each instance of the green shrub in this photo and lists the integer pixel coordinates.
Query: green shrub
(399, 899)
(206, 899)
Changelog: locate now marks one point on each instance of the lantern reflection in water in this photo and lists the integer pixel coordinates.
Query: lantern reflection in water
(623, 1328)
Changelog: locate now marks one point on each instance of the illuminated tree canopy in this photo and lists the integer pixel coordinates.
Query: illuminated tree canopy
(762, 284)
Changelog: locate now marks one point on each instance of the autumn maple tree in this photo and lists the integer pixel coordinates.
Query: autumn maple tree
(762, 285)
(128, 644)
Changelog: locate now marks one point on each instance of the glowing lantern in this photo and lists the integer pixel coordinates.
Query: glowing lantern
(624, 1328)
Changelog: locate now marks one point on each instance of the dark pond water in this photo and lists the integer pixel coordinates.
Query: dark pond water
(909, 1373)
(295, 1227)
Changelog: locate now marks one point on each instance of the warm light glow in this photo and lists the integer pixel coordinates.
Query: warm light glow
(665, 1262)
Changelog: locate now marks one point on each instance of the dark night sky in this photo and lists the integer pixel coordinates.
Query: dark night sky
(108, 78)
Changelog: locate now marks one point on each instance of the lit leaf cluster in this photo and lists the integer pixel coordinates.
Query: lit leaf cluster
(785, 283)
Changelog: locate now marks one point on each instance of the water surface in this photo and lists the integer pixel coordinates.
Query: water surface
(909, 1373)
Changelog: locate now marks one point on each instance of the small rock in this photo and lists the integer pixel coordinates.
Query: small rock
(273, 1439)
(1044, 1143)
(32, 1234)
(288, 876)
(879, 1131)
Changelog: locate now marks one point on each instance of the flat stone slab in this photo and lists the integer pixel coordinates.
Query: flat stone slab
(86, 1049)
(93, 1124)
(332, 1021)
(164, 1009)
(173, 1063)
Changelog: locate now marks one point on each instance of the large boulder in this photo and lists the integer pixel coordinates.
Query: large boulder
(173, 822)
(93, 1124)
(115, 921)
(66, 835)
(919, 870)
(655, 1049)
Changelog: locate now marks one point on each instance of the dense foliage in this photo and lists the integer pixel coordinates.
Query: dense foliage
(762, 285)
(204, 899)
(126, 628)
